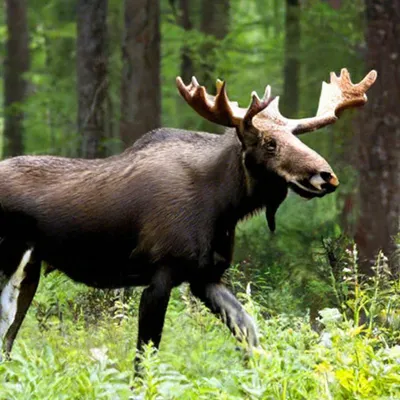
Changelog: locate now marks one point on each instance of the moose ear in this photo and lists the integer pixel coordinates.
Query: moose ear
(248, 135)
(273, 205)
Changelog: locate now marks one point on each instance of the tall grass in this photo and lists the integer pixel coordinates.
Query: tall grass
(78, 343)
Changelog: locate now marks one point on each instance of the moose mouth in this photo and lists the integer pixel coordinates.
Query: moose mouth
(306, 190)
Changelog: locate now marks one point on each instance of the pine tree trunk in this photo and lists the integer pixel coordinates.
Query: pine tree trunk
(187, 70)
(335, 4)
(379, 135)
(215, 24)
(15, 86)
(92, 76)
(290, 105)
(140, 88)
(215, 17)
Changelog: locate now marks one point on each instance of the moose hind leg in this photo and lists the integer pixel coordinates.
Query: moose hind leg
(26, 293)
(223, 303)
(9, 298)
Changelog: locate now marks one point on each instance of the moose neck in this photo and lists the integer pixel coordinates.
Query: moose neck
(244, 188)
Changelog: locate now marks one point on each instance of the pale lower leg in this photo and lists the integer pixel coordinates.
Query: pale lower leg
(9, 297)
(223, 303)
(27, 291)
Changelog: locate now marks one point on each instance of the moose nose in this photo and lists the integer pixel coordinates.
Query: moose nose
(326, 181)
(331, 181)
(330, 177)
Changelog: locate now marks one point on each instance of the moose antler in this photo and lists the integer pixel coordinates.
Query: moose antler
(218, 108)
(335, 97)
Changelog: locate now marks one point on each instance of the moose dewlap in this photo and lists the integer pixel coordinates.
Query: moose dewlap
(164, 211)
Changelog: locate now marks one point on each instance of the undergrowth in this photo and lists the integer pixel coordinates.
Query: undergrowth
(65, 351)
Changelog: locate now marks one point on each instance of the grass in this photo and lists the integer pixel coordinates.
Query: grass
(65, 352)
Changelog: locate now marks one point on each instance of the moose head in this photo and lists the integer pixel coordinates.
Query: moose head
(270, 140)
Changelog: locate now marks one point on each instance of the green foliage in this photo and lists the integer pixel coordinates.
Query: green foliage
(372, 301)
(290, 259)
(354, 353)
(85, 345)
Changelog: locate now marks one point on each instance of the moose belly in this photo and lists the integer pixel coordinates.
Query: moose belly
(100, 263)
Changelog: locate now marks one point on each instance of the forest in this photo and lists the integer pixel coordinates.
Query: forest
(88, 78)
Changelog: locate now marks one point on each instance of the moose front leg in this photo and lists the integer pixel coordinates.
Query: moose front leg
(152, 309)
(223, 303)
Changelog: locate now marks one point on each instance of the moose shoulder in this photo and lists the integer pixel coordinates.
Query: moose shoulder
(164, 211)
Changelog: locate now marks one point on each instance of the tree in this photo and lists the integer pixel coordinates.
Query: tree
(292, 63)
(335, 4)
(379, 135)
(187, 70)
(215, 25)
(92, 75)
(140, 87)
(15, 85)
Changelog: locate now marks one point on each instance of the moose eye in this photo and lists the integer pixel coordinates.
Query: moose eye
(271, 146)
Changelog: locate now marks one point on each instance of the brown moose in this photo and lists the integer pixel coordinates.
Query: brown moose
(164, 211)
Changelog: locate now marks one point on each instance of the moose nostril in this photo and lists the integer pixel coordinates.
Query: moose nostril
(332, 182)
(326, 181)
(326, 176)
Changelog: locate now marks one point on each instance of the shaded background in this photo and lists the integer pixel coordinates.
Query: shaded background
(88, 77)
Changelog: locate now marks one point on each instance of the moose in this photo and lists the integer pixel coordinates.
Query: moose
(164, 211)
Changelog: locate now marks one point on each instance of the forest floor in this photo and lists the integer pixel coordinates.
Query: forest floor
(65, 352)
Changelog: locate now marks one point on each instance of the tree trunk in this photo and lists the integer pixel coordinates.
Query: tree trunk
(15, 86)
(187, 70)
(92, 75)
(140, 88)
(379, 135)
(290, 105)
(335, 4)
(215, 24)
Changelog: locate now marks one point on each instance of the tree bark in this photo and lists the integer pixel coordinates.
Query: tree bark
(141, 88)
(290, 105)
(215, 24)
(15, 85)
(335, 4)
(379, 136)
(92, 75)
(187, 70)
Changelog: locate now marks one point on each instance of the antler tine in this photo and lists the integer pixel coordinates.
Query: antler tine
(194, 81)
(221, 99)
(368, 80)
(267, 93)
(257, 105)
(219, 86)
(217, 108)
(345, 75)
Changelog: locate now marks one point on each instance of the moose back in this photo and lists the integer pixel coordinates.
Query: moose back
(164, 211)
